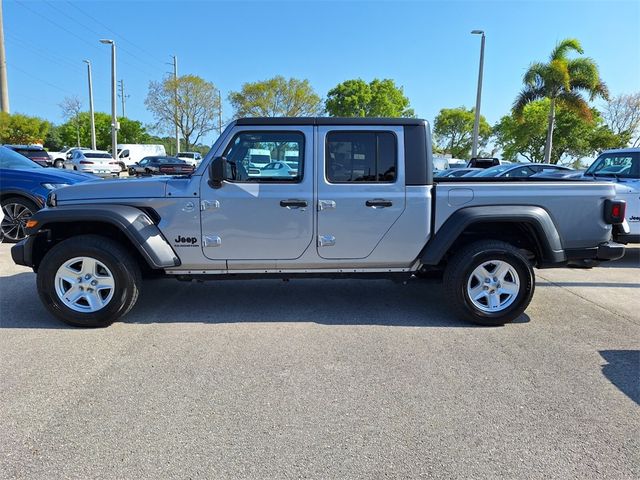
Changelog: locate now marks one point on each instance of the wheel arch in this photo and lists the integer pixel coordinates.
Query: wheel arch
(530, 228)
(10, 193)
(128, 225)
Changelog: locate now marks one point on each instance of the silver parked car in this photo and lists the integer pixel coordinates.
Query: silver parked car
(97, 162)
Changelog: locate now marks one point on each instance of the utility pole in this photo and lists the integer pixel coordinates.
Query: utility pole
(93, 120)
(4, 88)
(122, 96)
(175, 105)
(114, 117)
(219, 113)
(476, 123)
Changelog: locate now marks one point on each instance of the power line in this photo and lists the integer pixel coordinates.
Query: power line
(61, 27)
(112, 31)
(53, 58)
(40, 79)
(84, 40)
(92, 31)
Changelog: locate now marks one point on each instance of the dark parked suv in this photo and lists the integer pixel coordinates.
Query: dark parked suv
(33, 152)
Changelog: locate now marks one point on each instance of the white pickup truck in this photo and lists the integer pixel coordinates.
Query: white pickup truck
(623, 166)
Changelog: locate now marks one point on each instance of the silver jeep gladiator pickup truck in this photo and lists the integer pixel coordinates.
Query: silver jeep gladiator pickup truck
(332, 197)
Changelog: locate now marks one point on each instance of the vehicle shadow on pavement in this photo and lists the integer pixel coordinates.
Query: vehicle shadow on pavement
(587, 284)
(623, 370)
(20, 306)
(631, 259)
(325, 302)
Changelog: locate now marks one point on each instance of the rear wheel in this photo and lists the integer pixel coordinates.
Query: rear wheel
(17, 211)
(88, 281)
(489, 282)
(58, 163)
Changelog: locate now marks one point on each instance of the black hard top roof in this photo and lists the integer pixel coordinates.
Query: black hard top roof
(327, 121)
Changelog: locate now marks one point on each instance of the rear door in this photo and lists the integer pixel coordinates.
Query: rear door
(361, 188)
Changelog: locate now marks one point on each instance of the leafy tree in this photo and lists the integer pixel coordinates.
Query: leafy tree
(453, 131)
(576, 137)
(276, 97)
(563, 81)
(622, 115)
(71, 108)
(53, 141)
(22, 129)
(357, 98)
(196, 101)
(131, 131)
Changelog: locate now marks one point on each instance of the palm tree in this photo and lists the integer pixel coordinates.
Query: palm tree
(563, 81)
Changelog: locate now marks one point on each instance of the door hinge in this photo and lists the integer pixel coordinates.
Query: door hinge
(326, 205)
(211, 241)
(326, 240)
(209, 205)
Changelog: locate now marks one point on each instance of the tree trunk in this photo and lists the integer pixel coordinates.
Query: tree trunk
(548, 146)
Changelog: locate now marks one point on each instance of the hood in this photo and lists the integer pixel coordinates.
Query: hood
(58, 175)
(148, 187)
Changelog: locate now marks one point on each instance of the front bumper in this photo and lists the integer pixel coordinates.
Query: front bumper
(22, 252)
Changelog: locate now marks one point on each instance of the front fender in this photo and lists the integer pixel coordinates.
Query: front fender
(134, 223)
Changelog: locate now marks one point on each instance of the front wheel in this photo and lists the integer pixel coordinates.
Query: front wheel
(489, 282)
(88, 281)
(17, 211)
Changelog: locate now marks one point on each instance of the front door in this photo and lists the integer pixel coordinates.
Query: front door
(264, 209)
(361, 191)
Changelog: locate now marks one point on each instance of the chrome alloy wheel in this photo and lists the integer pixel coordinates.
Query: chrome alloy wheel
(84, 284)
(14, 223)
(493, 286)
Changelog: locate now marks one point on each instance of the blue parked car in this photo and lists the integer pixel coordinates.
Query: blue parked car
(24, 186)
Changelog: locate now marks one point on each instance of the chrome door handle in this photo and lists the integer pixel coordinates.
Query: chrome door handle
(293, 203)
(379, 203)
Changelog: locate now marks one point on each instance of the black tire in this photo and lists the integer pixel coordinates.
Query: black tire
(459, 271)
(58, 163)
(13, 229)
(125, 270)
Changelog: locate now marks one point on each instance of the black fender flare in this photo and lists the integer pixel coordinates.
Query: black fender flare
(547, 238)
(134, 223)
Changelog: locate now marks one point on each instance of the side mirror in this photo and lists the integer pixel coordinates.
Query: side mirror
(216, 172)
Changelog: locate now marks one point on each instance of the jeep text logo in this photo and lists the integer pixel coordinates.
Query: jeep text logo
(186, 241)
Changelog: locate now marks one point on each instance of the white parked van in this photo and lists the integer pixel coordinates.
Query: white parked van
(130, 153)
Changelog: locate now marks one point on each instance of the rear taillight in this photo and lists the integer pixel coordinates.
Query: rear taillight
(614, 211)
(85, 162)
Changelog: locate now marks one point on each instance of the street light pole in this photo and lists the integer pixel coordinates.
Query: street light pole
(175, 99)
(114, 113)
(93, 120)
(476, 123)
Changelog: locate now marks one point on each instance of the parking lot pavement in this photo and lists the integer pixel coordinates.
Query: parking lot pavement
(324, 379)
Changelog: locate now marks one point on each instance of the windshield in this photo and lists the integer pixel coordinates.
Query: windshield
(490, 172)
(14, 161)
(623, 164)
(32, 152)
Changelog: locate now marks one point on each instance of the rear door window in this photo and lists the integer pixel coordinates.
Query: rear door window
(366, 157)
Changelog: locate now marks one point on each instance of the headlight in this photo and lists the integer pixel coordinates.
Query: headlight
(53, 186)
